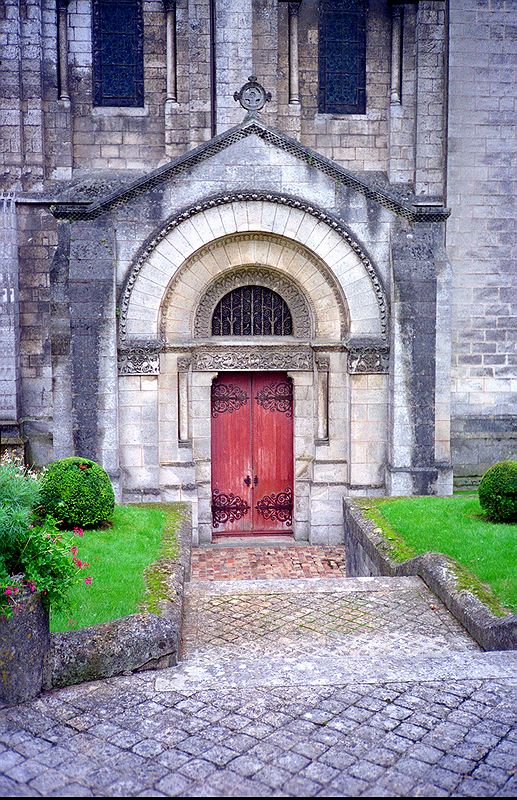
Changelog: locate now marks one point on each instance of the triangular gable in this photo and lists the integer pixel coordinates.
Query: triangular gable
(252, 126)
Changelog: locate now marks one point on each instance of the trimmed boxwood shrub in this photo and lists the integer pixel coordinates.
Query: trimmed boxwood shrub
(498, 492)
(77, 491)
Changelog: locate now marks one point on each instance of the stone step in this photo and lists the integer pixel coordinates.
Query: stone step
(288, 670)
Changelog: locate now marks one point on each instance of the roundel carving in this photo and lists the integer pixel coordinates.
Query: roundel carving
(296, 302)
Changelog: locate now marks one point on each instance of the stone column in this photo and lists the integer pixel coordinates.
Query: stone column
(9, 329)
(396, 52)
(172, 89)
(294, 92)
(62, 34)
(183, 401)
(323, 366)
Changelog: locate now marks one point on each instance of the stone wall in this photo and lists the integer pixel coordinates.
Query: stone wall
(481, 233)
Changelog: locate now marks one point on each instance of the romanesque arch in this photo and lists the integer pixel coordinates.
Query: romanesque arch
(308, 247)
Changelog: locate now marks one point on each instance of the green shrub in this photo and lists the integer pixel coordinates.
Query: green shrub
(19, 495)
(78, 492)
(498, 492)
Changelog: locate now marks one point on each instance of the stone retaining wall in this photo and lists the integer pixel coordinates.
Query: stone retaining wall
(365, 552)
(130, 644)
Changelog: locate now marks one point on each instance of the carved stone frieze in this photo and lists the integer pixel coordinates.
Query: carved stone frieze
(139, 361)
(363, 360)
(252, 276)
(251, 358)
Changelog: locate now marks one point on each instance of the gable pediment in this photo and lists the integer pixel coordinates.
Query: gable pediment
(252, 126)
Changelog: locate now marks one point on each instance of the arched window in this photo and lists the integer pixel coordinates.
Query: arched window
(118, 57)
(342, 57)
(252, 311)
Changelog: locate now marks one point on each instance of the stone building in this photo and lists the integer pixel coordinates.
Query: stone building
(337, 237)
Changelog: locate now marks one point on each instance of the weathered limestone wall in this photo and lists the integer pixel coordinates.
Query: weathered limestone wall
(481, 233)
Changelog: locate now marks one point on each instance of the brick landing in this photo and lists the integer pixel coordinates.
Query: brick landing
(255, 563)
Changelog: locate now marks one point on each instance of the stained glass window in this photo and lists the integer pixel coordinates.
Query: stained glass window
(342, 57)
(118, 61)
(252, 311)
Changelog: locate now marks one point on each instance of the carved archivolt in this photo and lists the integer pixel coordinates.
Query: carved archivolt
(252, 276)
(252, 196)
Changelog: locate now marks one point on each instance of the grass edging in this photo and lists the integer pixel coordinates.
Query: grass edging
(370, 552)
(146, 640)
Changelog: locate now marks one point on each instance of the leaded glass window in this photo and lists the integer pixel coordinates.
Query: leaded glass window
(252, 311)
(118, 60)
(342, 57)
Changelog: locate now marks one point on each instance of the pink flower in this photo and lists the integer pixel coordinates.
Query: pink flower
(74, 551)
(78, 531)
(8, 590)
(88, 580)
(78, 562)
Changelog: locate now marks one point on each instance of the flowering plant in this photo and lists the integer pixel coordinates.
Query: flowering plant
(34, 554)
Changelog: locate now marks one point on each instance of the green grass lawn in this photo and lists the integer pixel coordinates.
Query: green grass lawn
(118, 556)
(455, 526)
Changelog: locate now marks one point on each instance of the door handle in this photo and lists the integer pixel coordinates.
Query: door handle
(247, 480)
(255, 480)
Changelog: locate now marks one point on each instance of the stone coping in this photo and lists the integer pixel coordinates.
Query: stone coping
(129, 644)
(365, 556)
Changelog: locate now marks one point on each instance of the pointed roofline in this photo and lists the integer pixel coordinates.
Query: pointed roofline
(253, 125)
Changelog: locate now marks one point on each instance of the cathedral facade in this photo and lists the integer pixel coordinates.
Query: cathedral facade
(258, 255)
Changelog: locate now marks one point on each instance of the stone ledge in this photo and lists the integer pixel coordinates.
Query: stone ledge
(365, 556)
(130, 644)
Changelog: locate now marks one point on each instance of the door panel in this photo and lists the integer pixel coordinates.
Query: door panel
(272, 443)
(252, 454)
(231, 454)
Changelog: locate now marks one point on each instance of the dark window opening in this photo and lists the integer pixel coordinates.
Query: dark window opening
(342, 57)
(118, 57)
(252, 311)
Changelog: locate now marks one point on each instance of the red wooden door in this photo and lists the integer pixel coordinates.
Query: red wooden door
(252, 454)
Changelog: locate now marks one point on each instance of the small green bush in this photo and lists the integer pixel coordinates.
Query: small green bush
(19, 496)
(498, 492)
(78, 492)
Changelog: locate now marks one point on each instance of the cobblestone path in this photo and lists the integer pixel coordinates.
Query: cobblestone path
(288, 688)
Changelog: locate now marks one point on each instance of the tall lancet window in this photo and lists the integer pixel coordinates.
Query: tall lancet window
(342, 57)
(118, 58)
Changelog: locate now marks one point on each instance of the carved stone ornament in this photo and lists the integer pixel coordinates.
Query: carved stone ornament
(252, 96)
(184, 363)
(251, 358)
(302, 325)
(363, 360)
(139, 361)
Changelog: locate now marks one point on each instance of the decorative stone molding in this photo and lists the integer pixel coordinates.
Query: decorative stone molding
(184, 363)
(139, 361)
(277, 282)
(290, 202)
(213, 359)
(373, 359)
(323, 363)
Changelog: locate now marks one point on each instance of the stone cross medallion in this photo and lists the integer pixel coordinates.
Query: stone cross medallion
(252, 96)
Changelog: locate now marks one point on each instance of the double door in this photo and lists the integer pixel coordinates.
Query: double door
(252, 454)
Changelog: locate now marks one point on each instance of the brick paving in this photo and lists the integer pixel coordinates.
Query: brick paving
(289, 688)
(251, 563)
